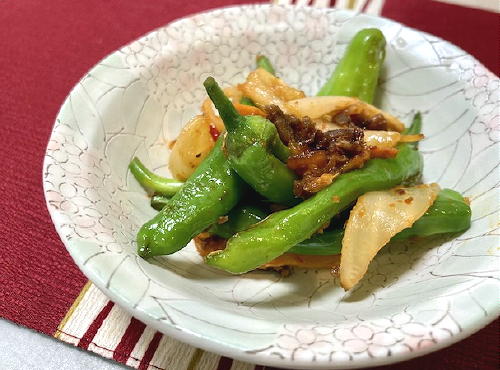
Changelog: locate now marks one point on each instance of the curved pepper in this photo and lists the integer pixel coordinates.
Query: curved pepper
(358, 71)
(153, 182)
(244, 216)
(282, 230)
(449, 213)
(210, 192)
(254, 150)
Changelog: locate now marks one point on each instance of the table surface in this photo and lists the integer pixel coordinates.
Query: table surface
(40, 349)
(45, 49)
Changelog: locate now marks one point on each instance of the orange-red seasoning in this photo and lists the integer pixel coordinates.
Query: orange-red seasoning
(214, 132)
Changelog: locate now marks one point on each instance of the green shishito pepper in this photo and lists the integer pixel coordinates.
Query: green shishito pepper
(210, 192)
(282, 230)
(449, 213)
(327, 243)
(240, 218)
(254, 150)
(153, 182)
(358, 71)
(263, 62)
(415, 128)
(247, 101)
(158, 201)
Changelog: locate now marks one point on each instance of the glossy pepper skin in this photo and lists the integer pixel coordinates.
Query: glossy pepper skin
(449, 213)
(244, 216)
(210, 192)
(254, 150)
(358, 71)
(282, 230)
(153, 182)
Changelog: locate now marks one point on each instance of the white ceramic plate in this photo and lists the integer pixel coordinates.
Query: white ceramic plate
(415, 299)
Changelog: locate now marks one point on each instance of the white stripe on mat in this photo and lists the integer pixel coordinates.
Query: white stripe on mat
(375, 7)
(172, 354)
(140, 347)
(110, 333)
(208, 361)
(343, 4)
(84, 314)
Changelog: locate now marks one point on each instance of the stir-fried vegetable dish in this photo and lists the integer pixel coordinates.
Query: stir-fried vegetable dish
(268, 178)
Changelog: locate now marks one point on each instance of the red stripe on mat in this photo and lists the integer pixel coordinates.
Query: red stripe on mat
(94, 327)
(129, 340)
(224, 363)
(365, 6)
(148, 355)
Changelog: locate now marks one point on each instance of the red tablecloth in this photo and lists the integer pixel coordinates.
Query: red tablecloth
(45, 48)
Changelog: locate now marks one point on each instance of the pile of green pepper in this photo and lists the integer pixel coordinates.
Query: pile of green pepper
(249, 162)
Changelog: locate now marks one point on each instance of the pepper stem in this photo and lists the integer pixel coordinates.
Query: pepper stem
(226, 109)
(150, 180)
(263, 62)
(416, 125)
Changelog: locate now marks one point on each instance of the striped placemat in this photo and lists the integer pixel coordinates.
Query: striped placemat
(95, 323)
